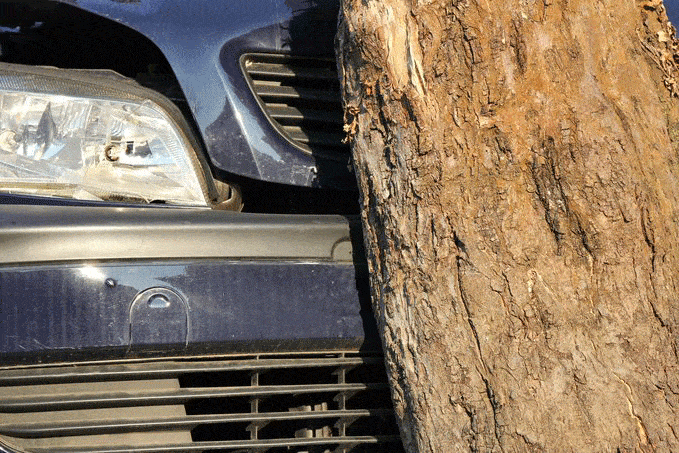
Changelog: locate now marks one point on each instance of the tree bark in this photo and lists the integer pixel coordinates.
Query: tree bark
(518, 163)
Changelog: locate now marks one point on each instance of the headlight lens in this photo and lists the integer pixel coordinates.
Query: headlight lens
(72, 134)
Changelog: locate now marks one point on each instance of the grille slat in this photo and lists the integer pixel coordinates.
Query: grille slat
(301, 97)
(180, 396)
(264, 445)
(80, 428)
(290, 67)
(319, 138)
(294, 114)
(276, 91)
(154, 370)
(302, 403)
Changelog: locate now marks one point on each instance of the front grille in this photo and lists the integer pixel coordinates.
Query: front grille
(315, 404)
(301, 98)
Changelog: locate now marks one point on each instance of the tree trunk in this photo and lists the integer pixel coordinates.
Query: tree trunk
(518, 162)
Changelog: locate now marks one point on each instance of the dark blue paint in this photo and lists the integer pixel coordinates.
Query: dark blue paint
(52, 312)
(203, 40)
(672, 7)
(158, 315)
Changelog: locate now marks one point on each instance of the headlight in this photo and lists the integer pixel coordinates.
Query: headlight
(95, 136)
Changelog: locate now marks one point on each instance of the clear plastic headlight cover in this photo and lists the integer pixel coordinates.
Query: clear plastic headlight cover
(93, 136)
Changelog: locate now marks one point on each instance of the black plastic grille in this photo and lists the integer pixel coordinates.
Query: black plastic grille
(315, 404)
(301, 97)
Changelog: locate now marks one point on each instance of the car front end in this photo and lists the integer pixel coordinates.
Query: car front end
(180, 260)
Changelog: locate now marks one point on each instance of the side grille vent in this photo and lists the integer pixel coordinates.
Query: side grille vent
(337, 403)
(301, 98)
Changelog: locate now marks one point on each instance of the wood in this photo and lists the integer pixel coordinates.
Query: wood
(518, 166)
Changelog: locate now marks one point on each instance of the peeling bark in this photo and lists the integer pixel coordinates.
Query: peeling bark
(518, 164)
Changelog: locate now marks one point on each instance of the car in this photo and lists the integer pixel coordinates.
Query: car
(672, 9)
(181, 266)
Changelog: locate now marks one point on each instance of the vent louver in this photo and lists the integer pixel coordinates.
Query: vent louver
(301, 98)
(337, 403)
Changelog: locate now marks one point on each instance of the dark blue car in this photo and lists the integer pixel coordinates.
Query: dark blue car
(180, 258)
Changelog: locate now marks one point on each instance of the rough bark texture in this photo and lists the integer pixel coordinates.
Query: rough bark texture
(518, 162)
